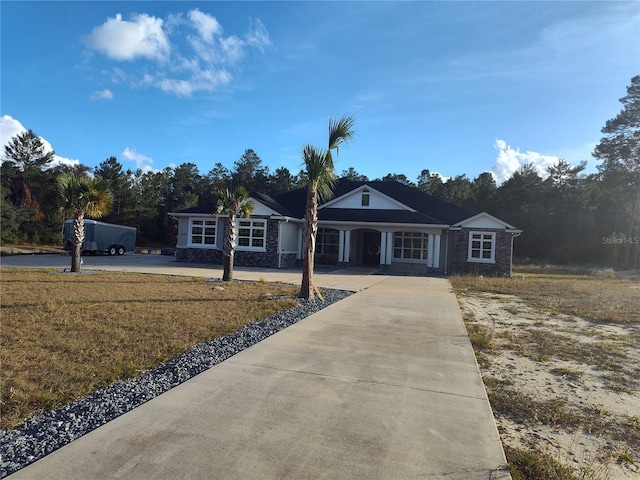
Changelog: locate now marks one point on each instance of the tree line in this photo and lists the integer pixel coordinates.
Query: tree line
(567, 216)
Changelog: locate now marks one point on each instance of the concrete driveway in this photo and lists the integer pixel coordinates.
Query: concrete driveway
(383, 384)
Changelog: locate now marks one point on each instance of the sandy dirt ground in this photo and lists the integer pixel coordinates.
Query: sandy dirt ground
(572, 386)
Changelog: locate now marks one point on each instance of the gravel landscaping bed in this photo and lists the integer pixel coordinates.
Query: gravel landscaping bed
(40, 435)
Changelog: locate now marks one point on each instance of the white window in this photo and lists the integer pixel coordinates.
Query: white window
(252, 234)
(327, 240)
(410, 246)
(365, 200)
(482, 247)
(202, 232)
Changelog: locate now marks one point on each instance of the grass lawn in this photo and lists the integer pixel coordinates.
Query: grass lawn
(65, 335)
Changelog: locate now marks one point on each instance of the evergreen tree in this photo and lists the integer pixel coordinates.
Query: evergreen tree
(249, 172)
(351, 174)
(431, 183)
(619, 152)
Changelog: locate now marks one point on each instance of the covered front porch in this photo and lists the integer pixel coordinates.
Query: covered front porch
(395, 249)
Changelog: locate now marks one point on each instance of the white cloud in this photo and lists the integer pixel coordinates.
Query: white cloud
(142, 161)
(119, 39)
(182, 71)
(510, 160)
(207, 25)
(258, 36)
(10, 127)
(105, 94)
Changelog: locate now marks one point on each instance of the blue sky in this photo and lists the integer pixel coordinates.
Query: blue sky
(455, 87)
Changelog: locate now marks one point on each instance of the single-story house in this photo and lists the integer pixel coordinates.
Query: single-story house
(389, 225)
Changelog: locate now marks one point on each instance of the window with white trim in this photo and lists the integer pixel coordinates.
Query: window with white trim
(365, 200)
(252, 234)
(410, 246)
(202, 232)
(482, 247)
(327, 240)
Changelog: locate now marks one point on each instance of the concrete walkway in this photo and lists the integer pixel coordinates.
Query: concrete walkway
(383, 384)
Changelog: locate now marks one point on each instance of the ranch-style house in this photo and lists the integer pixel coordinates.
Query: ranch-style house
(388, 225)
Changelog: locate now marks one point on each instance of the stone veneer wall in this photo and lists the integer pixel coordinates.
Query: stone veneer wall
(288, 260)
(502, 265)
(242, 258)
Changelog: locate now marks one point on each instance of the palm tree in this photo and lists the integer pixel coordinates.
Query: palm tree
(234, 203)
(321, 179)
(82, 195)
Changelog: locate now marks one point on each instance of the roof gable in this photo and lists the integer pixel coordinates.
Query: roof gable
(411, 199)
(376, 200)
(484, 220)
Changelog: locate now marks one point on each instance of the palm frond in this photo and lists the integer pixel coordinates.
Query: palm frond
(80, 194)
(234, 201)
(320, 173)
(340, 131)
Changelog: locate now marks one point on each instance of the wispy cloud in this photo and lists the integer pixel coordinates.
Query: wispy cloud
(559, 47)
(509, 160)
(189, 53)
(10, 127)
(105, 94)
(142, 161)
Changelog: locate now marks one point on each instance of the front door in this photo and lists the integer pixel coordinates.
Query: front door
(371, 251)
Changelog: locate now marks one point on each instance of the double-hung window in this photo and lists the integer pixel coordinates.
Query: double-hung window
(252, 234)
(327, 240)
(202, 232)
(410, 246)
(482, 247)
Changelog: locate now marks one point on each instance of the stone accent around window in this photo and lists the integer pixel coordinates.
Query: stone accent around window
(242, 258)
(502, 264)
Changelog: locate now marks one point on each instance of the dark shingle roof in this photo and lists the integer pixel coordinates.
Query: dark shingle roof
(438, 210)
(429, 209)
(205, 208)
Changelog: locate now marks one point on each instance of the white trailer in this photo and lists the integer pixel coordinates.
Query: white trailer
(101, 237)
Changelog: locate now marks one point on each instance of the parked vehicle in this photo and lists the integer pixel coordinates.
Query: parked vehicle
(101, 237)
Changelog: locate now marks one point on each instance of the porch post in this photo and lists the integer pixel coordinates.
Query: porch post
(347, 246)
(430, 251)
(340, 246)
(383, 248)
(389, 247)
(436, 251)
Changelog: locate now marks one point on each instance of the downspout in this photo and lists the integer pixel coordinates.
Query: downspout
(516, 234)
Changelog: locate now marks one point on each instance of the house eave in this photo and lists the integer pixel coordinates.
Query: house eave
(381, 224)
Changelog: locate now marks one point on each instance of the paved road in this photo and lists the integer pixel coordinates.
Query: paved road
(383, 384)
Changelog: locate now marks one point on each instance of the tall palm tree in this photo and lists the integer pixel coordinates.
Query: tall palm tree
(234, 203)
(321, 179)
(80, 196)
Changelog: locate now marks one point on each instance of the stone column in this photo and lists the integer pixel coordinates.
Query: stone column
(340, 246)
(383, 248)
(389, 247)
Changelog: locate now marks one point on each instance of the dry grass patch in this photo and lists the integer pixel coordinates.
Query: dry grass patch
(65, 335)
(560, 369)
(593, 297)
